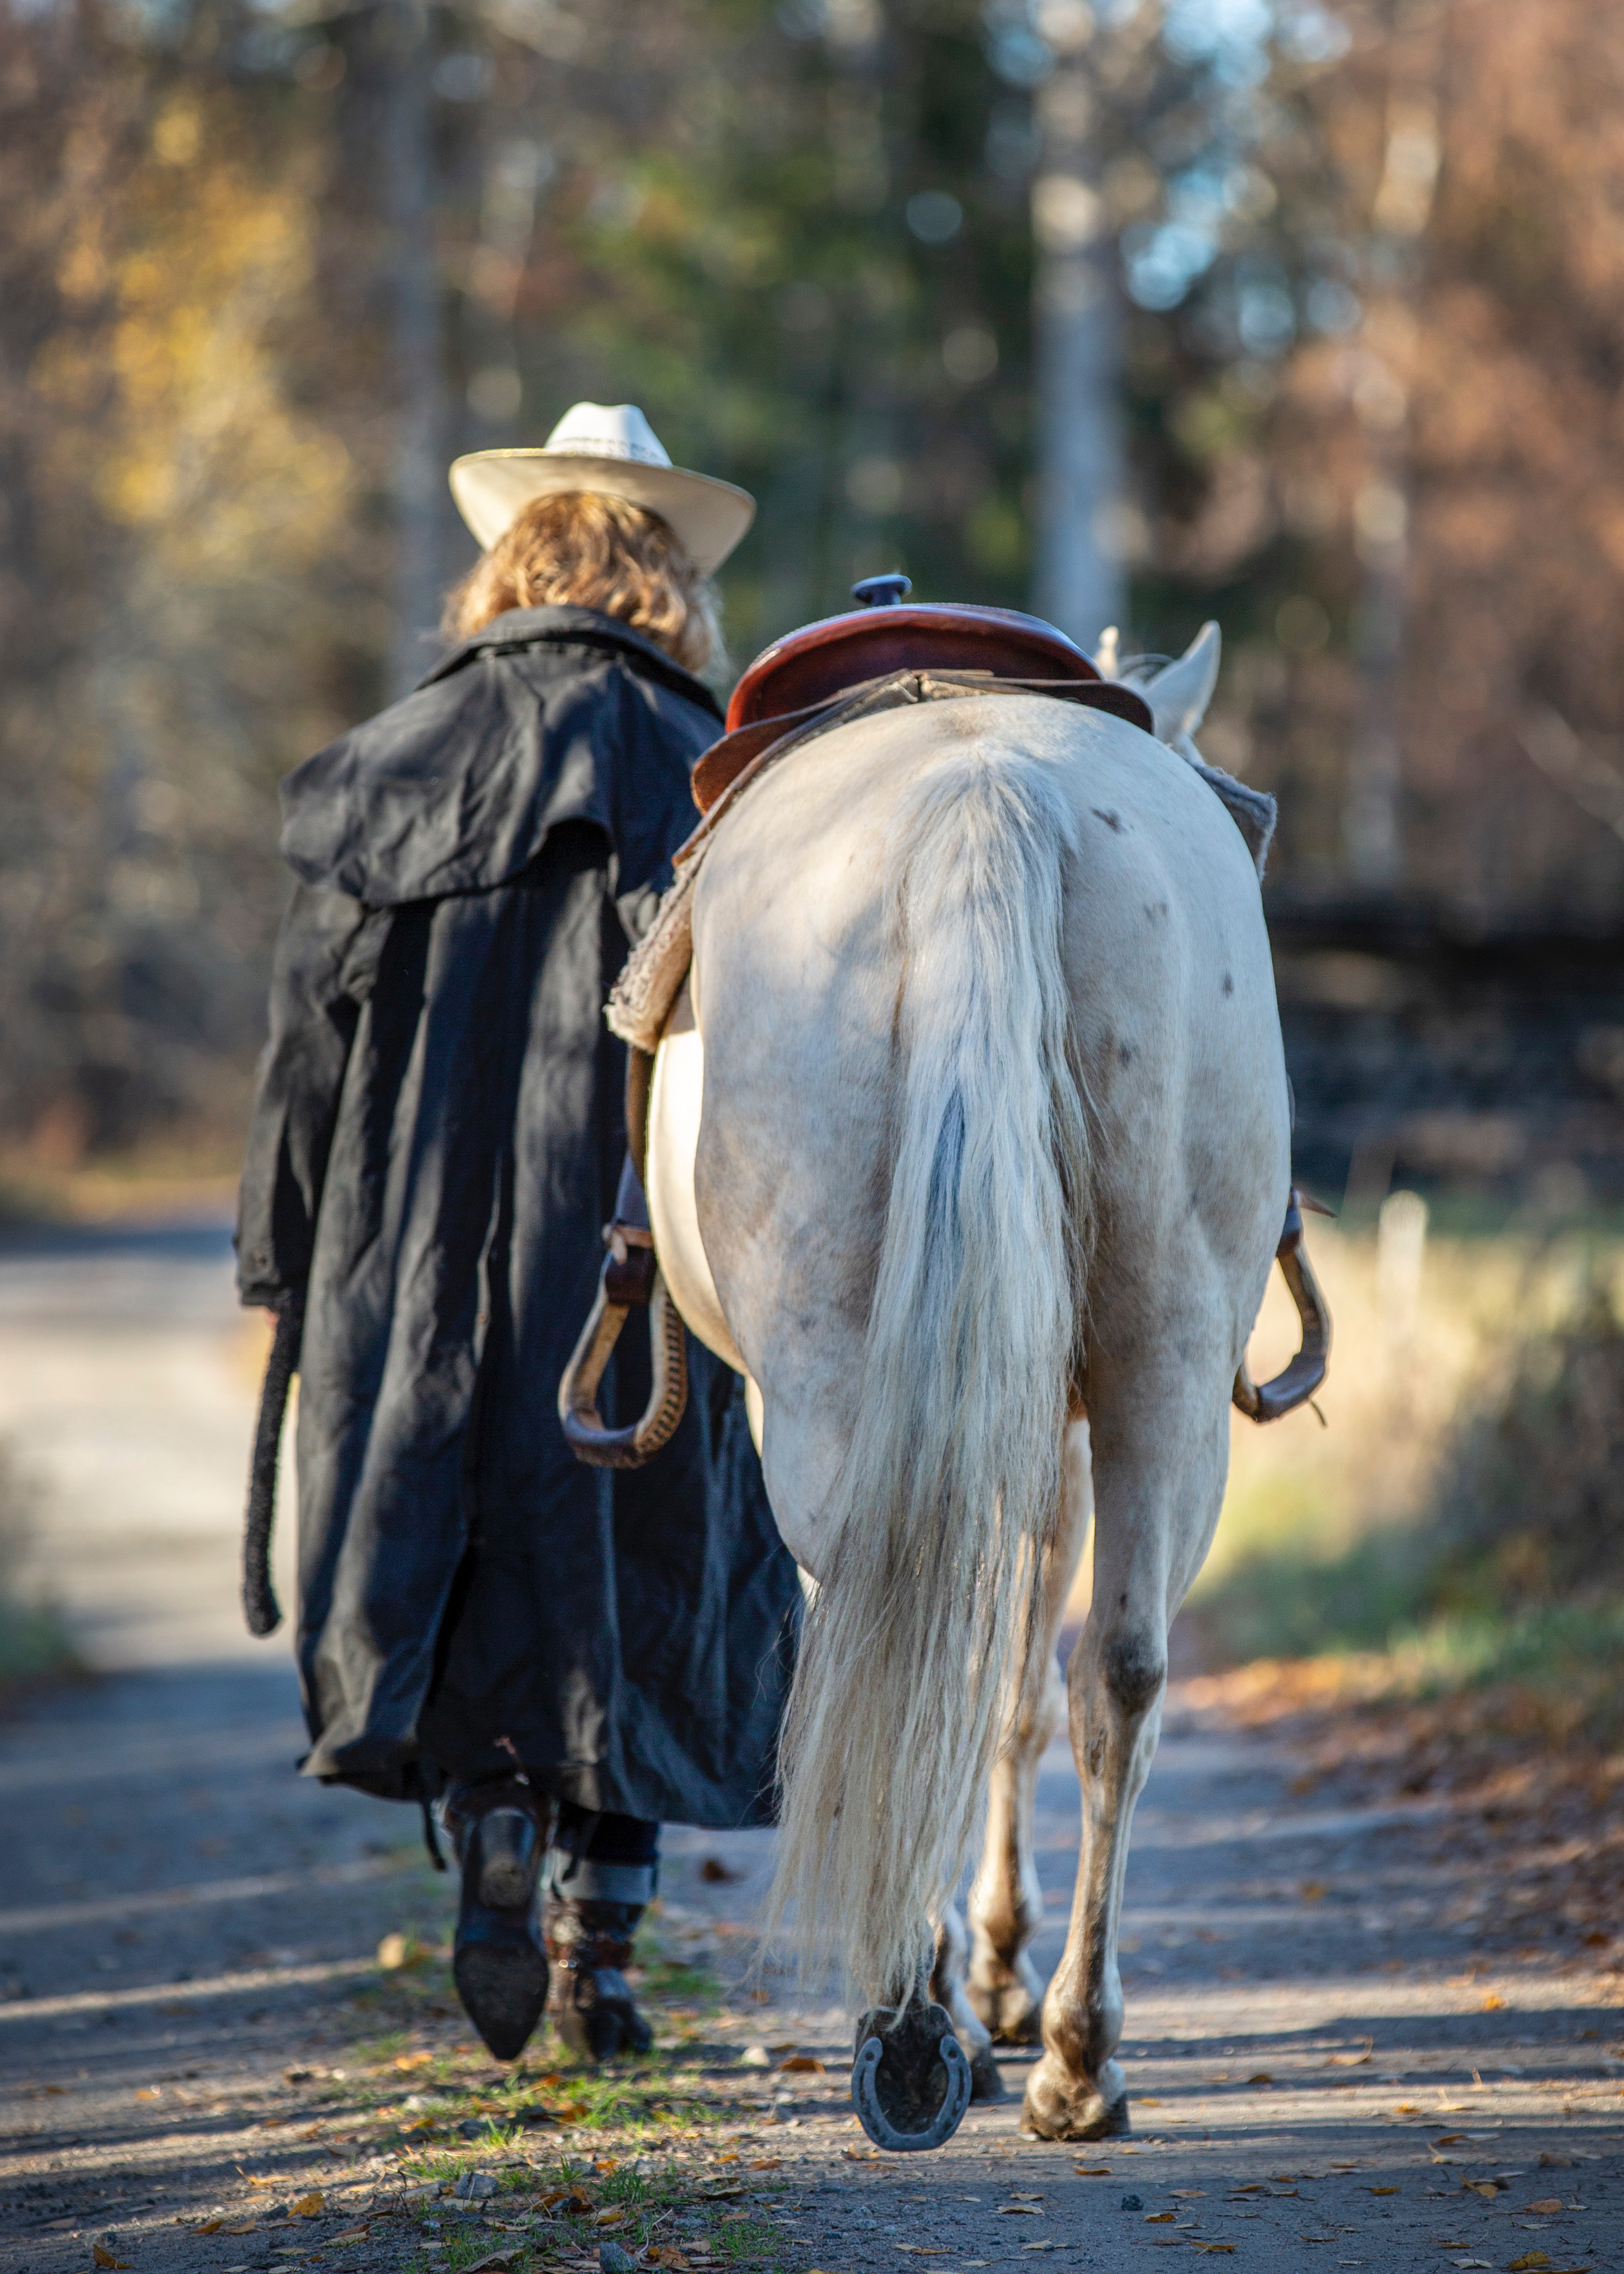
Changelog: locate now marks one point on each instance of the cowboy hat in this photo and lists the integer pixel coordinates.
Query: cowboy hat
(613, 449)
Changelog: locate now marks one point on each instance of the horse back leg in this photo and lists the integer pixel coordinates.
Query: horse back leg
(1159, 1457)
(1006, 1900)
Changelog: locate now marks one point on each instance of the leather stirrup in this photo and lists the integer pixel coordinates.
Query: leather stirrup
(1267, 1401)
(631, 1280)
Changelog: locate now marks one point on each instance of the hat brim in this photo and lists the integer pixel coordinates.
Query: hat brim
(492, 487)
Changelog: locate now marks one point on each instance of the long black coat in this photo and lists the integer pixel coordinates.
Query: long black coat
(435, 1145)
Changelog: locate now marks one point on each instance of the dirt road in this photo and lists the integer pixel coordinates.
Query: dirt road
(203, 2065)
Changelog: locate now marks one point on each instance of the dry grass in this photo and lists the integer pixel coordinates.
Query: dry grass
(1468, 1423)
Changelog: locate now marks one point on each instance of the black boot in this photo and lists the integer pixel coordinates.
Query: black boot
(589, 2000)
(499, 1966)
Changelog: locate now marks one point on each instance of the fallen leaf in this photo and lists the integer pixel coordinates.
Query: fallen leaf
(767, 2163)
(665, 2254)
(1092, 2170)
(1188, 2194)
(918, 2250)
(100, 2256)
(802, 2064)
(310, 2206)
(1529, 2261)
(1491, 2004)
(422, 2060)
(1047, 2244)
(1383, 2191)
(1159, 2219)
(1144, 2101)
(1023, 2211)
(396, 1951)
(1553, 2160)
(1313, 1891)
(610, 2218)
(1262, 2077)
(349, 2235)
(261, 2183)
(149, 2092)
(1547, 2205)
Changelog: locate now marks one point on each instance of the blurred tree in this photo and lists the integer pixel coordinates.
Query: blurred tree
(1304, 317)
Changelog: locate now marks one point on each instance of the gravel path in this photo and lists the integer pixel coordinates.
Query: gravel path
(1328, 2070)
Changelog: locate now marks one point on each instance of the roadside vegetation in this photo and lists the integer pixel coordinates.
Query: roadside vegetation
(35, 1644)
(1426, 1597)
(1459, 1522)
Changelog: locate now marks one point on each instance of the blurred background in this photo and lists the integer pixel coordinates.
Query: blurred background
(1309, 318)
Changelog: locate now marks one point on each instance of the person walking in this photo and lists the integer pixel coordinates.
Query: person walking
(558, 1658)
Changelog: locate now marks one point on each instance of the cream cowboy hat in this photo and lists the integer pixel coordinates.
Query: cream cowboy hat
(612, 448)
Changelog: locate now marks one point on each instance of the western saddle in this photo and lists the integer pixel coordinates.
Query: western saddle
(794, 682)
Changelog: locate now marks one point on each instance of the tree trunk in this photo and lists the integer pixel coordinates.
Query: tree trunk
(1077, 320)
(416, 343)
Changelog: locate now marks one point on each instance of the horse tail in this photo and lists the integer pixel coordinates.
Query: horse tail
(930, 1598)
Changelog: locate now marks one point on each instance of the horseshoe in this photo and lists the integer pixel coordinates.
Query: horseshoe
(877, 2125)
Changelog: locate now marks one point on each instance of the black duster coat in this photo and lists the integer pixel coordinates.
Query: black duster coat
(435, 1145)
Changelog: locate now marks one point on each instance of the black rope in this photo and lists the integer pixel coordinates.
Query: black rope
(261, 1607)
(431, 1838)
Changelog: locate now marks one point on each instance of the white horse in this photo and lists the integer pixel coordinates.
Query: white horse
(969, 1145)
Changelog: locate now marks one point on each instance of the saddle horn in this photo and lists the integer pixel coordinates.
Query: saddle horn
(1267, 1401)
(631, 1280)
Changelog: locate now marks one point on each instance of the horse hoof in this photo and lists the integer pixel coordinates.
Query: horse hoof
(911, 2082)
(1061, 2106)
(1011, 2011)
(1013, 2017)
(986, 2084)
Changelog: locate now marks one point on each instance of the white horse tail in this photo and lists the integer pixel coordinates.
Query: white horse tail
(930, 1597)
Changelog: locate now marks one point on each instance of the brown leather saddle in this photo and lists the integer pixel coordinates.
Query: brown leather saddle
(798, 678)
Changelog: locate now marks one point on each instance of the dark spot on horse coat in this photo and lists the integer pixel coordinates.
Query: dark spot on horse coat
(1155, 908)
(1111, 820)
(1125, 1053)
(1229, 982)
(1135, 1669)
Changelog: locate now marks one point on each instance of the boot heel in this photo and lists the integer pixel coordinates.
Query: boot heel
(508, 1855)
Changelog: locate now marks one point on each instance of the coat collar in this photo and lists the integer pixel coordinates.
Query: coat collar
(526, 627)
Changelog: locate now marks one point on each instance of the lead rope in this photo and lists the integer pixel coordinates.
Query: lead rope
(261, 1607)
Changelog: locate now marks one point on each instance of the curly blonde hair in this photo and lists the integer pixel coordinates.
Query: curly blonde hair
(581, 548)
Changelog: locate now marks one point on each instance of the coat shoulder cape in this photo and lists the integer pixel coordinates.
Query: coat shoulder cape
(549, 715)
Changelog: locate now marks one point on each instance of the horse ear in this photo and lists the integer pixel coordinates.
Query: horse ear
(1180, 694)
